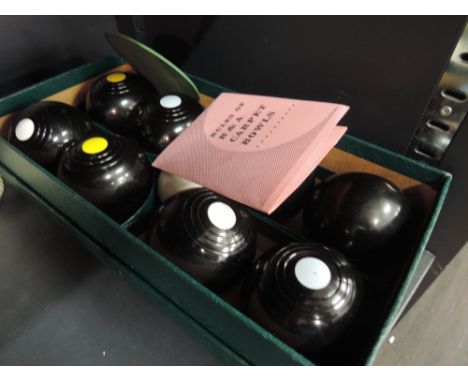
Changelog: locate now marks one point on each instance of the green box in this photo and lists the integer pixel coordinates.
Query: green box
(217, 323)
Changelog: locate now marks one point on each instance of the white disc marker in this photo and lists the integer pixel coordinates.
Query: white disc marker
(312, 273)
(170, 101)
(221, 215)
(24, 129)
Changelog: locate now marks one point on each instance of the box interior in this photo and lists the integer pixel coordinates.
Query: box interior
(383, 278)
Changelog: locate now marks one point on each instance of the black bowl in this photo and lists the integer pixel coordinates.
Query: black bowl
(114, 98)
(355, 213)
(110, 172)
(162, 120)
(45, 129)
(207, 236)
(304, 293)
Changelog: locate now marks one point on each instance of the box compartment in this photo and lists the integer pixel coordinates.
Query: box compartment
(212, 317)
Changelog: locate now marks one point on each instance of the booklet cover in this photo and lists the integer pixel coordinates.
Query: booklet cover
(254, 149)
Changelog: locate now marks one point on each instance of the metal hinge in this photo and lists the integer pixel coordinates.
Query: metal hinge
(446, 111)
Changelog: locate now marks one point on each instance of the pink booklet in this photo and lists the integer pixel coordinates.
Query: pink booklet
(254, 149)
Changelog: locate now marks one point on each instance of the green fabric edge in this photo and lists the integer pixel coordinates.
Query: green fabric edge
(386, 329)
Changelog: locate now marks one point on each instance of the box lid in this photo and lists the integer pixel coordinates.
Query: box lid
(158, 70)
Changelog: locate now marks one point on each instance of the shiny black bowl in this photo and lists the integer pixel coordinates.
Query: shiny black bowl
(304, 293)
(207, 236)
(114, 98)
(43, 131)
(355, 213)
(110, 172)
(162, 120)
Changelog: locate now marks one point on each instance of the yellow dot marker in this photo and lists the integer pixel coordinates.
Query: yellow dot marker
(116, 77)
(95, 145)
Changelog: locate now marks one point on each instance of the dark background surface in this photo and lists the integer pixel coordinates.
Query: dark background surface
(37, 47)
(59, 305)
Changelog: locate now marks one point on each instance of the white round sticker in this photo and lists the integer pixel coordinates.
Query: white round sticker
(312, 273)
(170, 101)
(24, 129)
(221, 215)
